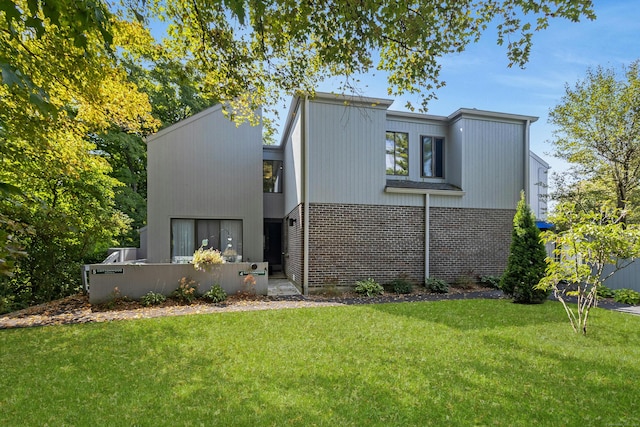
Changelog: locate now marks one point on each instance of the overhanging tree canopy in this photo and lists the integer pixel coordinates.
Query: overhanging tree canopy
(255, 51)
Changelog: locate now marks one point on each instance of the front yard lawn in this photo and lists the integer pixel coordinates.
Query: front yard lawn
(468, 362)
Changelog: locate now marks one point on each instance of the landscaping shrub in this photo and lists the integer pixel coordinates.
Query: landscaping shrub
(369, 288)
(186, 291)
(491, 281)
(526, 264)
(604, 292)
(626, 296)
(215, 294)
(6, 304)
(205, 259)
(152, 298)
(437, 286)
(401, 286)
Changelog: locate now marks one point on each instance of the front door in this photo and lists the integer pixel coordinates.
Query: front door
(273, 244)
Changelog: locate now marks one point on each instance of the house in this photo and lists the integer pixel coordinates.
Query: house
(354, 190)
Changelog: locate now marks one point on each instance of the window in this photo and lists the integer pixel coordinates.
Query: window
(397, 149)
(187, 235)
(272, 176)
(432, 157)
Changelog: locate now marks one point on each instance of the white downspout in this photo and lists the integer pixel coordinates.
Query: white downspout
(305, 197)
(526, 189)
(427, 202)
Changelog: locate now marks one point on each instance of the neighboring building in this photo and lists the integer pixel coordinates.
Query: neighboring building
(353, 191)
(538, 175)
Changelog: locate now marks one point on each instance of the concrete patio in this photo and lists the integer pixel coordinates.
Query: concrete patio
(280, 286)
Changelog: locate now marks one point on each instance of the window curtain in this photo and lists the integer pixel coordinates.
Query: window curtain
(182, 238)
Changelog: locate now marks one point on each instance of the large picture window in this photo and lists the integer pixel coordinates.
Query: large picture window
(187, 235)
(397, 153)
(432, 157)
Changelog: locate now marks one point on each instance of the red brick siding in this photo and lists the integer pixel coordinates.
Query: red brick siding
(469, 242)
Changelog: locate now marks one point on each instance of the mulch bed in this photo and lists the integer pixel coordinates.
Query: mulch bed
(77, 309)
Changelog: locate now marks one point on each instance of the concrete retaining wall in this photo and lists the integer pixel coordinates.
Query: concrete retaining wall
(136, 280)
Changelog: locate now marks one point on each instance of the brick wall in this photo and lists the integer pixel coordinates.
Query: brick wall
(469, 242)
(355, 242)
(293, 235)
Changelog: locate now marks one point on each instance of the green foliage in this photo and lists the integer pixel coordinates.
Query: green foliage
(627, 296)
(11, 249)
(585, 242)
(491, 281)
(80, 25)
(174, 86)
(604, 292)
(369, 288)
(65, 203)
(215, 294)
(437, 286)
(186, 291)
(282, 46)
(127, 157)
(401, 286)
(598, 128)
(526, 262)
(152, 298)
(6, 303)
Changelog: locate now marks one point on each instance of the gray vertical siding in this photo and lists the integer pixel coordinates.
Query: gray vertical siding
(292, 166)
(483, 156)
(347, 156)
(454, 154)
(346, 153)
(492, 173)
(205, 167)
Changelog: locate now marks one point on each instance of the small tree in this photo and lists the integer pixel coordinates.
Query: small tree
(526, 263)
(590, 246)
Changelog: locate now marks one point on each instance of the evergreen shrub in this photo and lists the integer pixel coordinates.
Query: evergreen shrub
(526, 263)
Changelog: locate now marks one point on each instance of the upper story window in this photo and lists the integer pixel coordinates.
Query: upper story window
(432, 157)
(397, 150)
(272, 176)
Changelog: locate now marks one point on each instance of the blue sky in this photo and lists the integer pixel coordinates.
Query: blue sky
(479, 77)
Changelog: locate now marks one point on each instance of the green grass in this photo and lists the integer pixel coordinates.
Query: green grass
(473, 362)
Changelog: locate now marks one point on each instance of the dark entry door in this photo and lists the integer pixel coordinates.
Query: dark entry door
(273, 244)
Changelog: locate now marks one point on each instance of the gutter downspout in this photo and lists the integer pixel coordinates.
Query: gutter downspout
(527, 197)
(305, 197)
(427, 202)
